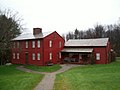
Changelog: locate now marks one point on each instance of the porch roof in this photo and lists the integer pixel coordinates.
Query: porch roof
(80, 50)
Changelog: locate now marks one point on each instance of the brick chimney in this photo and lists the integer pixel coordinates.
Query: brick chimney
(37, 31)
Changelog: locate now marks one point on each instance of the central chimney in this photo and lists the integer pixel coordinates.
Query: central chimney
(37, 31)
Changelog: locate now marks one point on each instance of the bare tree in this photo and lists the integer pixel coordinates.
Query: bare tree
(10, 27)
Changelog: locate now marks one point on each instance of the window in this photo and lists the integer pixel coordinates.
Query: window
(33, 56)
(38, 56)
(26, 44)
(97, 56)
(18, 44)
(54, 36)
(13, 44)
(60, 44)
(38, 42)
(13, 55)
(33, 44)
(50, 43)
(50, 56)
(59, 54)
(18, 56)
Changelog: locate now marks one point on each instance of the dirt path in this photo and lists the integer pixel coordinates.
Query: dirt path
(48, 80)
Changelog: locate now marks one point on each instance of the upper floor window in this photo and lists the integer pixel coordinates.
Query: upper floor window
(60, 44)
(13, 55)
(26, 44)
(38, 43)
(33, 44)
(38, 56)
(50, 56)
(18, 56)
(50, 43)
(97, 56)
(18, 44)
(33, 56)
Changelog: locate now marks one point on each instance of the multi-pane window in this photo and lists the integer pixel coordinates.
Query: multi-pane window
(50, 55)
(26, 44)
(38, 56)
(18, 56)
(50, 43)
(60, 44)
(18, 44)
(33, 56)
(97, 56)
(38, 43)
(33, 44)
(59, 54)
(13, 55)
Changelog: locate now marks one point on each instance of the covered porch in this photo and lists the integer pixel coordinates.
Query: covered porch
(78, 55)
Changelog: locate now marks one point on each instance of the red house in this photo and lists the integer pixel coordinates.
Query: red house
(86, 51)
(37, 48)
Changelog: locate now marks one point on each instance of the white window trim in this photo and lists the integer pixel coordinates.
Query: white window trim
(50, 56)
(38, 43)
(26, 44)
(97, 56)
(59, 54)
(38, 56)
(60, 44)
(33, 56)
(50, 43)
(18, 56)
(13, 55)
(33, 44)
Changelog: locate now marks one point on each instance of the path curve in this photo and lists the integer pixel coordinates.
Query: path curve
(48, 80)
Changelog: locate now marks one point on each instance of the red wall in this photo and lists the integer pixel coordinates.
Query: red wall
(103, 57)
(55, 49)
(22, 50)
(104, 51)
(44, 50)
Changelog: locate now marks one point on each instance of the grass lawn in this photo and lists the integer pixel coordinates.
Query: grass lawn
(12, 79)
(90, 77)
(43, 68)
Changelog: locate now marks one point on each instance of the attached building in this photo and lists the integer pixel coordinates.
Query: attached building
(38, 48)
(87, 51)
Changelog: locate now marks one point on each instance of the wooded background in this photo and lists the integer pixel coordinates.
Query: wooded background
(99, 31)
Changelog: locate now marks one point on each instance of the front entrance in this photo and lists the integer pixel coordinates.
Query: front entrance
(26, 58)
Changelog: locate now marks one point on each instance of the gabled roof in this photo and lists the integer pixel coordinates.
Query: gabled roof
(27, 36)
(87, 42)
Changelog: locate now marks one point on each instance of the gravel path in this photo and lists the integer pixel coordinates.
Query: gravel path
(48, 80)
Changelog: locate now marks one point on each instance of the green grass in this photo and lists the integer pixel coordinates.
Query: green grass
(43, 68)
(12, 79)
(91, 77)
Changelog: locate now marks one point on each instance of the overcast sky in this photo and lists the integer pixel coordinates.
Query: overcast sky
(64, 15)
